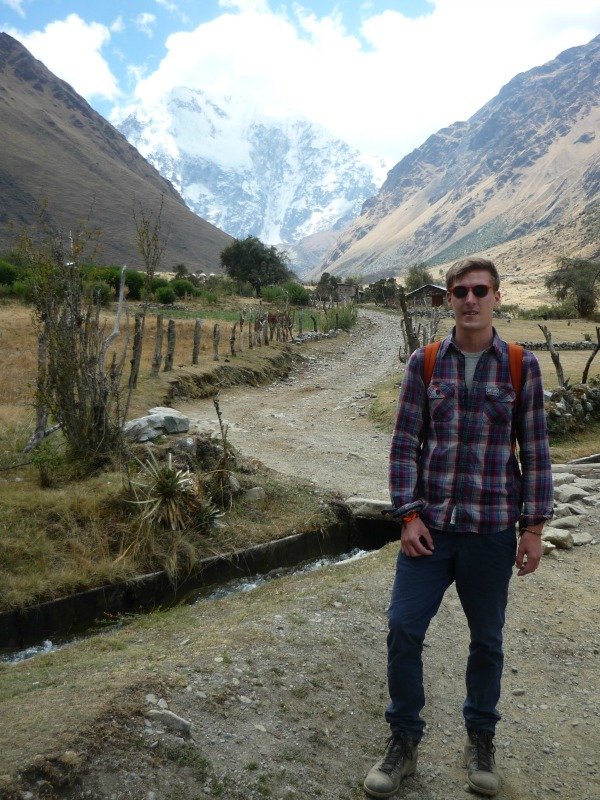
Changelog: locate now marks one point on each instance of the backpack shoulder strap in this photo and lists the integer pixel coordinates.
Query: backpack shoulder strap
(515, 365)
(430, 354)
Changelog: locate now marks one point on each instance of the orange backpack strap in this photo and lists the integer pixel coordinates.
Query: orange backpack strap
(430, 354)
(515, 365)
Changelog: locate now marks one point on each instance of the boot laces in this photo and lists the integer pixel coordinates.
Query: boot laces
(398, 749)
(483, 750)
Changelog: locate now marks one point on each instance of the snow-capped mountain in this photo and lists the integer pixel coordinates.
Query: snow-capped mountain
(280, 180)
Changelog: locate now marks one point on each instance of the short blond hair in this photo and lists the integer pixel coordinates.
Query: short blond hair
(461, 268)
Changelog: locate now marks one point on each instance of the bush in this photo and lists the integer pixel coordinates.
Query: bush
(343, 317)
(212, 298)
(165, 295)
(272, 293)
(298, 294)
(182, 287)
(158, 283)
(99, 291)
(559, 311)
(8, 273)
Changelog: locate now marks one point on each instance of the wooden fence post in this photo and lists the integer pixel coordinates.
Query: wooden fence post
(138, 336)
(266, 332)
(314, 321)
(232, 339)
(157, 357)
(216, 340)
(242, 320)
(197, 341)
(170, 346)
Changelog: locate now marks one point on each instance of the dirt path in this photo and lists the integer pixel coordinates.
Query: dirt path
(314, 424)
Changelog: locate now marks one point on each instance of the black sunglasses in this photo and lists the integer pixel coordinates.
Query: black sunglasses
(460, 292)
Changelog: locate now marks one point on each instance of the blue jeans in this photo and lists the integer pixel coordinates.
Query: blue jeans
(481, 565)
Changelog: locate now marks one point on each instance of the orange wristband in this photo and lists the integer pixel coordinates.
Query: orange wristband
(410, 517)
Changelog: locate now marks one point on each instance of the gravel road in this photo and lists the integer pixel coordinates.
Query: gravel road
(314, 424)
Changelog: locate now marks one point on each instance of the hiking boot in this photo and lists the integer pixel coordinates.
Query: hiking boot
(482, 775)
(400, 760)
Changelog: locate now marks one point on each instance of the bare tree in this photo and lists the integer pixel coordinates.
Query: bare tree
(553, 355)
(593, 354)
(151, 245)
(74, 386)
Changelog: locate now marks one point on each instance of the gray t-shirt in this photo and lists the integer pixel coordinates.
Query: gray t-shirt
(471, 360)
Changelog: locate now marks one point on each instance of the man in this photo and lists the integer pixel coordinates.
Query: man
(458, 492)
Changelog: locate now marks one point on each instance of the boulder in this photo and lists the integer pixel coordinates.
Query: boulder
(562, 539)
(566, 523)
(568, 493)
(158, 422)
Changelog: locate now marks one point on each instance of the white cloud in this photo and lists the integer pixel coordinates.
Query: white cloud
(170, 6)
(146, 22)
(118, 26)
(70, 48)
(16, 5)
(384, 89)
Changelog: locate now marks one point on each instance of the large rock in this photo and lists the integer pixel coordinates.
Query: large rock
(366, 507)
(158, 422)
(567, 523)
(562, 539)
(566, 494)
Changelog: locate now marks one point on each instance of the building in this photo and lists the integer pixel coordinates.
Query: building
(429, 295)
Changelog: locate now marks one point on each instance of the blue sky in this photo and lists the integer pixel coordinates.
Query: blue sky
(381, 75)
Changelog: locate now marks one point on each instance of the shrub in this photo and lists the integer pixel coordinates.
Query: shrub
(158, 283)
(272, 293)
(8, 273)
(559, 311)
(165, 295)
(298, 294)
(212, 298)
(182, 287)
(99, 291)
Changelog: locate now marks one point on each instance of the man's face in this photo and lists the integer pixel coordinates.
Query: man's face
(473, 313)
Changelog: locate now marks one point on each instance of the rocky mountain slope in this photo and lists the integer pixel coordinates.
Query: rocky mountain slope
(57, 150)
(251, 175)
(520, 179)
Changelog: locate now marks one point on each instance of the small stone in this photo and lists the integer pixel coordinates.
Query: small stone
(170, 720)
(518, 692)
(243, 699)
(152, 699)
(261, 728)
(581, 538)
(162, 703)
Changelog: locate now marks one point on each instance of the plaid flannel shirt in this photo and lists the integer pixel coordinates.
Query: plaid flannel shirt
(452, 456)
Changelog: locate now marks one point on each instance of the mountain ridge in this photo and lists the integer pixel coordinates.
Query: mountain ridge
(280, 180)
(526, 162)
(64, 160)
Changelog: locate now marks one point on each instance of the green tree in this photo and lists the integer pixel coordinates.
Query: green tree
(250, 260)
(327, 286)
(382, 292)
(577, 280)
(418, 275)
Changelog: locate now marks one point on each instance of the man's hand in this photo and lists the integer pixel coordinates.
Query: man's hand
(529, 552)
(416, 540)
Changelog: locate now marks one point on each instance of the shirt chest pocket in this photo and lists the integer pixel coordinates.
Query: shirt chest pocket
(499, 404)
(441, 399)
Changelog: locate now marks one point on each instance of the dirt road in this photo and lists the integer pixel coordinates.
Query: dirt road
(314, 424)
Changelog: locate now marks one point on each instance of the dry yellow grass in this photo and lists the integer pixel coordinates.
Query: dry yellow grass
(18, 354)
